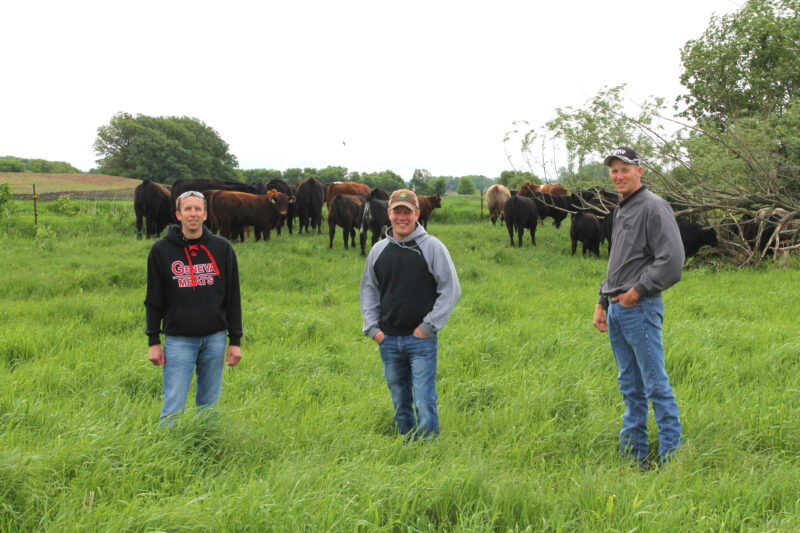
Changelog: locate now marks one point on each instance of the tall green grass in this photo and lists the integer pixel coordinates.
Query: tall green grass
(303, 439)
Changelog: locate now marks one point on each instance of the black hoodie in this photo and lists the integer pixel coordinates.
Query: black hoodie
(193, 286)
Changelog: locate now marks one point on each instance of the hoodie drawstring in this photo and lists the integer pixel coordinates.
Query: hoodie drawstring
(194, 248)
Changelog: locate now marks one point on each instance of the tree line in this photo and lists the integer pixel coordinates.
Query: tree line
(167, 149)
(19, 164)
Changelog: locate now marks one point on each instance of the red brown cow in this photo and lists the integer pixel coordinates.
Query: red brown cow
(426, 206)
(527, 189)
(345, 187)
(235, 210)
(496, 197)
(554, 189)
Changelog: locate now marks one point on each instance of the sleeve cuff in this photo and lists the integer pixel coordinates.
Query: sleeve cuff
(427, 330)
(641, 289)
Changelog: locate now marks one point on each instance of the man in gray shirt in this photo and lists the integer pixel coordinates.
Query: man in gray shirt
(646, 258)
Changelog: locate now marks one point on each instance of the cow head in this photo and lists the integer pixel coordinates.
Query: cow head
(436, 200)
(280, 201)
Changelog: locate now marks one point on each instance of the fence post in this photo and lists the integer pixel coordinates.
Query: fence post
(35, 212)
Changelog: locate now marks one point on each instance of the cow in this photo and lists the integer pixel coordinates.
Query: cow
(521, 213)
(426, 206)
(310, 197)
(202, 185)
(607, 225)
(694, 236)
(344, 212)
(526, 189)
(496, 197)
(379, 194)
(553, 188)
(587, 228)
(281, 186)
(293, 211)
(771, 219)
(234, 210)
(374, 215)
(152, 202)
(345, 187)
(555, 206)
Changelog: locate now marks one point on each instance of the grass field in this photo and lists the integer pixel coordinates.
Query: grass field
(303, 439)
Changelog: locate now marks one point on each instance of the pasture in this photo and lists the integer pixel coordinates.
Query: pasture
(303, 438)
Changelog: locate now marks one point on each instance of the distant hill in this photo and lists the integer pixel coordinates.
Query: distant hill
(76, 185)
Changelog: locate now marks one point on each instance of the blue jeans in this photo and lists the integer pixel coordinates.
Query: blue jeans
(182, 356)
(409, 364)
(635, 335)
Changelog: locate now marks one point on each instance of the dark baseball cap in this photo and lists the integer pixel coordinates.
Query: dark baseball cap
(625, 154)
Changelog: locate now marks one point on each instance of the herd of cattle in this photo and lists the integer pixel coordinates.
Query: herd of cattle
(591, 211)
(234, 208)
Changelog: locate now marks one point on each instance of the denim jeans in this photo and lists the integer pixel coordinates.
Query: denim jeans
(635, 335)
(409, 365)
(182, 356)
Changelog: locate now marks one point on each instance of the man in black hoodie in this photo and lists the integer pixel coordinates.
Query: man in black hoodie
(193, 287)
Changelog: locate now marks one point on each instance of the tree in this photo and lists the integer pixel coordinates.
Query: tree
(421, 182)
(439, 185)
(513, 179)
(163, 149)
(292, 176)
(264, 175)
(480, 182)
(18, 164)
(745, 64)
(330, 174)
(465, 186)
(386, 179)
(11, 164)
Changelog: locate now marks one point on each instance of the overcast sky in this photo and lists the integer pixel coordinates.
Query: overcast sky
(366, 85)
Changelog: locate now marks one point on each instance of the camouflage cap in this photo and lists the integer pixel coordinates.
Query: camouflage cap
(404, 197)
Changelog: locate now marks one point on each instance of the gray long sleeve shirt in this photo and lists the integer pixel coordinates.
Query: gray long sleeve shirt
(408, 284)
(647, 251)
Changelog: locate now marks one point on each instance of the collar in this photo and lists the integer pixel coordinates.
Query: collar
(629, 198)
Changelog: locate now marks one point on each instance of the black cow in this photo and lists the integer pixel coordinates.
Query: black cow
(607, 224)
(279, 185)
(521, 213)
(771, 218)
(379, 194)
(344, 212)
(374, 215)
(310, 197)
(151, 201)
(694, 236)
(555, 206)
(586, 227)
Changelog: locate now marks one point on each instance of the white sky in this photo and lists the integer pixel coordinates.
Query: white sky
(416, 84)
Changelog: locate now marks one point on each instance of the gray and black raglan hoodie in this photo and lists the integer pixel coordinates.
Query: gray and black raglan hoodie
(408, 284)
